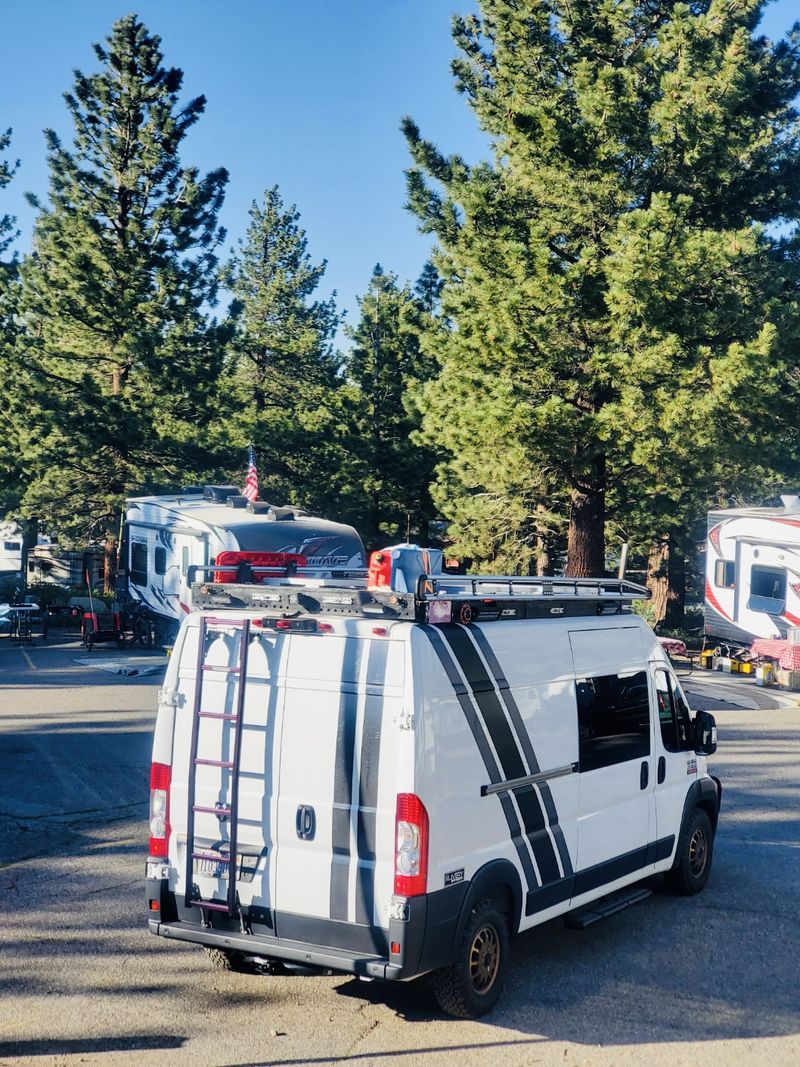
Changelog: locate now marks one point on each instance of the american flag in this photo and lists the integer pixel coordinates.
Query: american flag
(251, 482)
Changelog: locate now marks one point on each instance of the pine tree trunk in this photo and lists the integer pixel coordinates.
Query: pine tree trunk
(657, 577)
(676, 591)
(30, 537)
(586, 534)
(666, 580)
(544, 561)
(544, 553)
(110, 565)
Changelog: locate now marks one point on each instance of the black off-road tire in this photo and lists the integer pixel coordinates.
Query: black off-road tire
(470, 986)
(692, 865)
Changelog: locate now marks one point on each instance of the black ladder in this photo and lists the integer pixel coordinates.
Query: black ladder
(229, 811)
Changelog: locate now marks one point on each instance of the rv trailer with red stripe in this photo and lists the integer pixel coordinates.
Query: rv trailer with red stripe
(394, 779)
(752, 585)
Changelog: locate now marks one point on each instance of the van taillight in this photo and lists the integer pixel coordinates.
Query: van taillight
(160, 774)
(410, 847)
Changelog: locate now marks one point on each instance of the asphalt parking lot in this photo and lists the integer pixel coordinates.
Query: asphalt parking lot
(708, 980)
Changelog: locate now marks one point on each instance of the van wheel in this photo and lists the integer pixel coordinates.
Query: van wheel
(692, 865)
(470, 986)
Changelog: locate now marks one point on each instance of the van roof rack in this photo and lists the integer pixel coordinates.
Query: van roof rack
(437, 598)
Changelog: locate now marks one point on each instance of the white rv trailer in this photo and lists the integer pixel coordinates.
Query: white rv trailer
(165, 536)
(10, 548)
(753, 572)
(47, 562)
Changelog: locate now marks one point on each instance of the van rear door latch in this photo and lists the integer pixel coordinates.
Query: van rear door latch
(306, 822)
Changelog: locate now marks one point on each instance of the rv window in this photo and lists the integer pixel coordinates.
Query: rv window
(138, 563)
(767, 589)
(160, 560)
(613, 719)
(12, 546)
(725, 573)
(184, 561)
(673, 714)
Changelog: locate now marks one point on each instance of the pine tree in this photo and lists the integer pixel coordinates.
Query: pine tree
(285, 391)
(7, 222)
(384, 364)
(119, 359)
(625, 317)
(11, 473)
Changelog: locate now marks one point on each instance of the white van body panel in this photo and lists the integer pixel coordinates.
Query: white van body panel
(341, 756)
(615, 812)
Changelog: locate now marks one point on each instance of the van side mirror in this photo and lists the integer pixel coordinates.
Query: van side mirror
(705, 733)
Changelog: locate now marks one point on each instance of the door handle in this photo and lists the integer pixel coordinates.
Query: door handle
(662, 769)
(644, 775)
(306, 822)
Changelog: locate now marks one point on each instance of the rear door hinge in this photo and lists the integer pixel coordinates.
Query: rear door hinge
(171, 698)
(405, 719)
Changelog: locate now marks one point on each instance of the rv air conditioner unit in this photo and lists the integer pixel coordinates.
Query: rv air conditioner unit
(218, 494)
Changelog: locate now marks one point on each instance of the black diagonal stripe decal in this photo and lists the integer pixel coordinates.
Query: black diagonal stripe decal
(505, 745)
(489, 761)
(368, 782)
(343, 779)
(527, 748)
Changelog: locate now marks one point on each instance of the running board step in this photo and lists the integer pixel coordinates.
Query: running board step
(605, 906)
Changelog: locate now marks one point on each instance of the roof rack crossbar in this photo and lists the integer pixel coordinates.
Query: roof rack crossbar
(457, 586)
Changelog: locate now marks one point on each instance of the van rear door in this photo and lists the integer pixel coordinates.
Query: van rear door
(338, 785)
(215, 669)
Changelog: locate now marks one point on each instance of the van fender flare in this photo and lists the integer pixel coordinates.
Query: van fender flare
(484, 881)
(707, 794)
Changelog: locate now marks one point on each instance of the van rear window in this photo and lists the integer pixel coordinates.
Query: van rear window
(613, 719)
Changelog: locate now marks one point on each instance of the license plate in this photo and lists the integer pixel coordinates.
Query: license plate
(214, 868)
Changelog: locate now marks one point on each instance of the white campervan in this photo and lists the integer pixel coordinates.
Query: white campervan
(393, 782)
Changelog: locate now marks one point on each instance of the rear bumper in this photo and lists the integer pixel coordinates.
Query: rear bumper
(419, 942)
(279, 949)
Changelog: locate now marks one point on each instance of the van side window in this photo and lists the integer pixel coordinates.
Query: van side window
(613, 719)
(683, 717)
(138, 563)
(673, 714)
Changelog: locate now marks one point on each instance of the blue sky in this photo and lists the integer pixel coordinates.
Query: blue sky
(306, 95)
